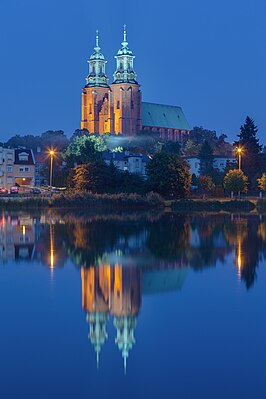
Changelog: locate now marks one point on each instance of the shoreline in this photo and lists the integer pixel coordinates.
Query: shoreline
(126, 201)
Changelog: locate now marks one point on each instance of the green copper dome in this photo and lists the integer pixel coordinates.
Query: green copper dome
(97, 76)
(124, 64)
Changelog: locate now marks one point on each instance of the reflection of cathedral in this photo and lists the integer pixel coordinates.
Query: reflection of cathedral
(113, 290)
(118, 290)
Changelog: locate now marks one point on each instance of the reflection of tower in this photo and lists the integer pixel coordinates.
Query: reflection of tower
(116, 290)
(125, 335)
(95, 301)
(97, 335)
(126, 303)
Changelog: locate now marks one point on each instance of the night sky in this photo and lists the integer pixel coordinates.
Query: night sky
(207, 56)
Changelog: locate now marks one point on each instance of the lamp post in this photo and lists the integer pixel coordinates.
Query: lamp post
(239, 152)
(51, 153)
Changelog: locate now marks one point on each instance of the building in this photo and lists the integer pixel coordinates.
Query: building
(219, 162)
(40, 159)
(117, 108)
(7, 157)
(17, 167)
(24, 167)
(125, 161)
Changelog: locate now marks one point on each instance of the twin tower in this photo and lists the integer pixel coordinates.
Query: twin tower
(112, 108)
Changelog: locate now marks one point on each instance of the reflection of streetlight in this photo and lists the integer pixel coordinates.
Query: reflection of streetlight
(52, 154)
(52, 250)
(239, 152)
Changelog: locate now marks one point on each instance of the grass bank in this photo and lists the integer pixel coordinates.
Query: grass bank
(85, 200)
(211, 205)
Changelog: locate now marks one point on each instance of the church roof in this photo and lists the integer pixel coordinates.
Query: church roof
(164, 116)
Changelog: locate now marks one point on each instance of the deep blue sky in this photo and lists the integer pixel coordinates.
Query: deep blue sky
(207, 56)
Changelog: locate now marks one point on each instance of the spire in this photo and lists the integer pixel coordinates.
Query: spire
(97, 334)
(97, 75)
(97, 40)
(124, 63)
(125, 36)
(125, 339)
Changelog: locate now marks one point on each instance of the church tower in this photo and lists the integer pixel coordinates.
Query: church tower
(125, 96)
(95, 109)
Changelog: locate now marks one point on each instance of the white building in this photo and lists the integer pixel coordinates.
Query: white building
(219, 162)
(125, 161)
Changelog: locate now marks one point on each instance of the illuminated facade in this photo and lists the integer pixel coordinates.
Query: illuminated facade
(16, 167)
(117, 108)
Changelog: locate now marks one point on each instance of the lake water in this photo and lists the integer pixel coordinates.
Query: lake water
(132, 305)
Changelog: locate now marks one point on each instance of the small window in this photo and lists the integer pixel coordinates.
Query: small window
(26, 169)
(23, 156)
(9, 180)
(9, 168)
(118, 105)
(21, 169)
(9, 156)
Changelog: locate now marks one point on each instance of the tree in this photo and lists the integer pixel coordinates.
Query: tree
(199, 134)
(51, 138)
(235, 181)
(90, 176)
(84, 148)
(205, 183)
(54, 138)
(168, 175)
(248, 141)
(206, 159)
(172, 147)
(262, 182)
(28, 141)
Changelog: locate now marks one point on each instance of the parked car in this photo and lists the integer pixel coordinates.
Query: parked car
(35, 190)
(14, 190)
(3, 190)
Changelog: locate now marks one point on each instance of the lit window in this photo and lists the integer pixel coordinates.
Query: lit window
(23, 156)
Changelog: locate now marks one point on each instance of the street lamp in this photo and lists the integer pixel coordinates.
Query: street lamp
(52, 154)
(239, 152)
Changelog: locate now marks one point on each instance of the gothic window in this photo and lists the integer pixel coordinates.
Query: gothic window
(118, 105)
(121, 65)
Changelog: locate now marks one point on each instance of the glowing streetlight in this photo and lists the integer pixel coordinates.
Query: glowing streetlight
(52, 154)
(239, 151)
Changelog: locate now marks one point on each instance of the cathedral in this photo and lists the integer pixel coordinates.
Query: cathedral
(117, 108)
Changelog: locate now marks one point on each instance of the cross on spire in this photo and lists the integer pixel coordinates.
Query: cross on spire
(125, 33)
(97, 38)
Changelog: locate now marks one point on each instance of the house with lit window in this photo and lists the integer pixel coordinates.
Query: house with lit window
(24, 168)
(17, 167)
